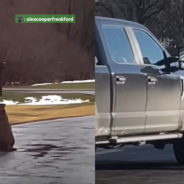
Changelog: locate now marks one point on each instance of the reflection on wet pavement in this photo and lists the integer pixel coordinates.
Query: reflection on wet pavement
(138, 165)
(53, 152)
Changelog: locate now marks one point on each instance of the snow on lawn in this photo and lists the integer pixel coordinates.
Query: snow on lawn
(67, 82)
(41, 84)
(9, 102)
(78, 81)
(46, 100)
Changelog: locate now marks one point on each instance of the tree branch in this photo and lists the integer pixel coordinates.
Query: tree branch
(151, 6)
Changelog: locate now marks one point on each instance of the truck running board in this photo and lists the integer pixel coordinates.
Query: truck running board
(116, 140)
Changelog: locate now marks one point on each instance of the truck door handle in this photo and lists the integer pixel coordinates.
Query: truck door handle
(120, 79)
(152, 80)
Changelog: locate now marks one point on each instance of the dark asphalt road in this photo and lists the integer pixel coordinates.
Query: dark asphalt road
(138, 165)
(47, 91)
(51, 152)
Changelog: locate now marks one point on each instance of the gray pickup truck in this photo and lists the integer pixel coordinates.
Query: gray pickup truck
(139, 88)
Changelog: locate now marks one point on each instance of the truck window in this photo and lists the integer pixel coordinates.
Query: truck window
(118, 45)
(151, 51)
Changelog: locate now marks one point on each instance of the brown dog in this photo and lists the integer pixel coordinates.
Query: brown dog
(6, 136)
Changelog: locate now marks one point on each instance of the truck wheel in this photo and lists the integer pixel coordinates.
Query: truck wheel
(178, 147)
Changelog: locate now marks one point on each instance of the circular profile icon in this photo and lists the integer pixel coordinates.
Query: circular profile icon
(20, 19)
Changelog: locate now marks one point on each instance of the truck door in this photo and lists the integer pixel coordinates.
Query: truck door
(128, 83)
(163, 98)
(102, 94)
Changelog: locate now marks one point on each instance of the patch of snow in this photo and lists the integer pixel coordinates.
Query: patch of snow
(78, 81)
(46, 100)
(41, 84)
(52, 100)
(9, 102)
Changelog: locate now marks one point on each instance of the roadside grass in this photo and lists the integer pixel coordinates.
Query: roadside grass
(71, 86)
(21, 96)
(22, 114)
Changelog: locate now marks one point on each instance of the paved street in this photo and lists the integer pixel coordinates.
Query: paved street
(138, 165)
(48, 91)
(51, 152)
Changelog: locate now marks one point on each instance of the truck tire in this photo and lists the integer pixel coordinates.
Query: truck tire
(178, 147)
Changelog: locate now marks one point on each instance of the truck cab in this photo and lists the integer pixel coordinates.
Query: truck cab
(139, 88)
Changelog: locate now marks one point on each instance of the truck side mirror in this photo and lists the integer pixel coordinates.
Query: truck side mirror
(181, 57)
(170, 63)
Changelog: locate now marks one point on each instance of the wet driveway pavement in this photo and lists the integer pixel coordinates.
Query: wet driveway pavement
(138, 165)
(51, 152)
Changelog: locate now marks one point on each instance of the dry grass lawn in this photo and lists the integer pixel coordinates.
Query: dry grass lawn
(21, 114)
